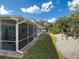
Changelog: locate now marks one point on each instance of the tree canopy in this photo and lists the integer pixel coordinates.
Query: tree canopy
(68, 25)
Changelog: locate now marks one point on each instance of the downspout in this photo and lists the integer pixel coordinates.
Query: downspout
(17, 34)
(17, 37)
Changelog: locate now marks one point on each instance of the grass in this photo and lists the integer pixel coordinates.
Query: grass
(43, 49)
(53, 37)
(54, 40)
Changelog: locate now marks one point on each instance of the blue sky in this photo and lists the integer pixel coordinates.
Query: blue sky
(36, 9)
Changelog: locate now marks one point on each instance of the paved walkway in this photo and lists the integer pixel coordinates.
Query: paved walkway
(70, 47)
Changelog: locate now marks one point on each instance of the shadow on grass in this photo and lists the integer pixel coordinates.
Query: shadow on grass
(43, 49)
(52, 49)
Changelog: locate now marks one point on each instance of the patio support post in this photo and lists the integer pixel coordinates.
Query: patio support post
(28, 33)
(0, 35)
(33, 32)
(17, 36)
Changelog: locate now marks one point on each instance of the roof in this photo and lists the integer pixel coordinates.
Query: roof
(20, 19)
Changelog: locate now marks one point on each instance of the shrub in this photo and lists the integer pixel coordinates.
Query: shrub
(55, 30)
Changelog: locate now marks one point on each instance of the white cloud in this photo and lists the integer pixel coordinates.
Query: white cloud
(74, 5)
(52, 20)
(32, 9)
(69, 3)
(45, 7)
(3, 11)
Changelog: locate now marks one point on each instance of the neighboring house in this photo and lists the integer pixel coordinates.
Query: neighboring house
(16, 32)
(40, 29)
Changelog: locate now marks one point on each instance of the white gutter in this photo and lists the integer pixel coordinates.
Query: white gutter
(21, 22)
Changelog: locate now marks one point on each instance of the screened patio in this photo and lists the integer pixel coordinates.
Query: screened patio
(16, 32)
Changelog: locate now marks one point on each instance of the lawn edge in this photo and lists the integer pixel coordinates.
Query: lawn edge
(60, 54)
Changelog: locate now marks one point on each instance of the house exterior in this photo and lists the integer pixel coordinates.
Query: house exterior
(16, 32)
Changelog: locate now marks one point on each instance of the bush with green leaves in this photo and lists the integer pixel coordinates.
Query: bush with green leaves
(69, 25)
(55, 29)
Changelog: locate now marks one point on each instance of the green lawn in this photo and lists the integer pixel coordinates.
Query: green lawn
(43, 49)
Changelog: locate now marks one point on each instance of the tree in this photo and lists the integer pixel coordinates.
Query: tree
(69, 25)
